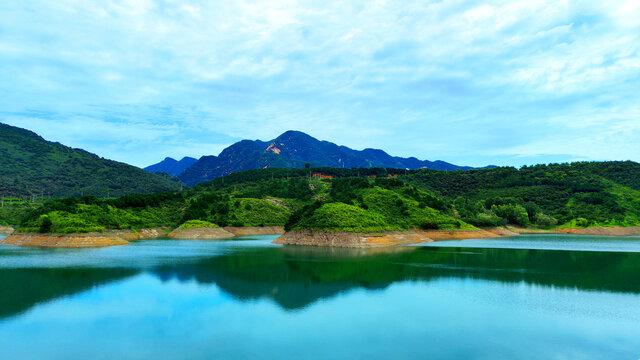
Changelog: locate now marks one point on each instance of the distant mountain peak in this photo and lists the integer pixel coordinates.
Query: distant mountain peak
(172, 166)
(294, 133)
(293, 149)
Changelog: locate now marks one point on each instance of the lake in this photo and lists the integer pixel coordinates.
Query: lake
(526, 297)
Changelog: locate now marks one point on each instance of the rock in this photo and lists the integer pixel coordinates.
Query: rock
(385, 239)
(144, 234)
(84, 240)
(350, 239)
(223, 233)
(64, 240)
(255, 230)
(6, 230)
(460, 234)
(201, 234)
(608, 231)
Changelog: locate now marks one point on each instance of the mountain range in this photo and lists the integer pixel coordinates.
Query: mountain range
(33, 166)
(172, 166)
(293, 149)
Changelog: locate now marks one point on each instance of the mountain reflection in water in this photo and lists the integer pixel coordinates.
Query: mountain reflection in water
(295, 277)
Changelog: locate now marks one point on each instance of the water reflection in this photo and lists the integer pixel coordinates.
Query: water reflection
(295, 277)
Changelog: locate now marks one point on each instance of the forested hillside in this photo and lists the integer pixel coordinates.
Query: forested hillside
(372, 199)
(33, 167)
(578, 194)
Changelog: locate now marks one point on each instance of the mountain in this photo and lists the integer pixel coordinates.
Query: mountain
(293, 149)
(33, 166)
(172, 166)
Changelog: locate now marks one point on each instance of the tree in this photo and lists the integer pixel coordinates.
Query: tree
(45, 224)
(515, 214)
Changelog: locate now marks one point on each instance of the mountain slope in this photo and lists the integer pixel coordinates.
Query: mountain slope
(172, 166)
(32, 165)
(293, 149)
(569, 196)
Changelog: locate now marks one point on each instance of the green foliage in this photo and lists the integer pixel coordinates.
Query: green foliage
(34, 167)
(396, 205)
(405, 213)
(45, 224)
(543, 220)
(602, 193)
(343, 217)
(514, 214)
(568, 195)
(197, 224)
(485, 220)
(257, 212)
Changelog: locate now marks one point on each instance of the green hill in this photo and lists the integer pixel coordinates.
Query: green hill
(372, 199)
(578, 194)
(32, 166)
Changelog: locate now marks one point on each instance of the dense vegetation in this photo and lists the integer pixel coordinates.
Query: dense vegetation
(373, 199)
(35, 168)
(576, 195)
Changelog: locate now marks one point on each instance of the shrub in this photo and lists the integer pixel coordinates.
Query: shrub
(514, 214)
(545, 220)
(343, 217)
(45, 224)
(196, 224)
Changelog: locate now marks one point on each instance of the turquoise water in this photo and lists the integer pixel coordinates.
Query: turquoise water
(478, 299)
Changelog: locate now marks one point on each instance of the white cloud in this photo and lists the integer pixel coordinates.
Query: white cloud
(366, 74)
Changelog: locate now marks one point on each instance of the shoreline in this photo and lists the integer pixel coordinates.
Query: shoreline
(383, 239)
(416, 236)
(224, 232)
(296, 237)
(124, 237)
(6, 230)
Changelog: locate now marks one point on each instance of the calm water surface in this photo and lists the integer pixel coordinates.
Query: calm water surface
(529, 297)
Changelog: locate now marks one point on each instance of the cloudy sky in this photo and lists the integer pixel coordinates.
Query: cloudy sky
(502, 82)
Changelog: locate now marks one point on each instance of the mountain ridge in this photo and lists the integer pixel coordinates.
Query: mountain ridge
(294, 149)
(172, 166)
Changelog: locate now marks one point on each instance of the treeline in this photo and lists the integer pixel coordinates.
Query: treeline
(570, 195)
(591, 193)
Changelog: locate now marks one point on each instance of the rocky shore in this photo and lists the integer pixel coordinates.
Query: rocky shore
(349, 239)
(84, 240)
(6, 230)
(393, 238)
(604, 231)
(223, 233)
(298, 237)
(123, 237)
(64, 240)
(388, 238)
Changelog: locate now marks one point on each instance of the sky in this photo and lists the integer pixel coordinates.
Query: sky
(473, 83)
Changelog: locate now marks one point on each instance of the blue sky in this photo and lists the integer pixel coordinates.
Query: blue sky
(497, 82)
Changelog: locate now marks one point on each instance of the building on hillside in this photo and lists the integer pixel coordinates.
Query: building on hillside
(321, 176)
